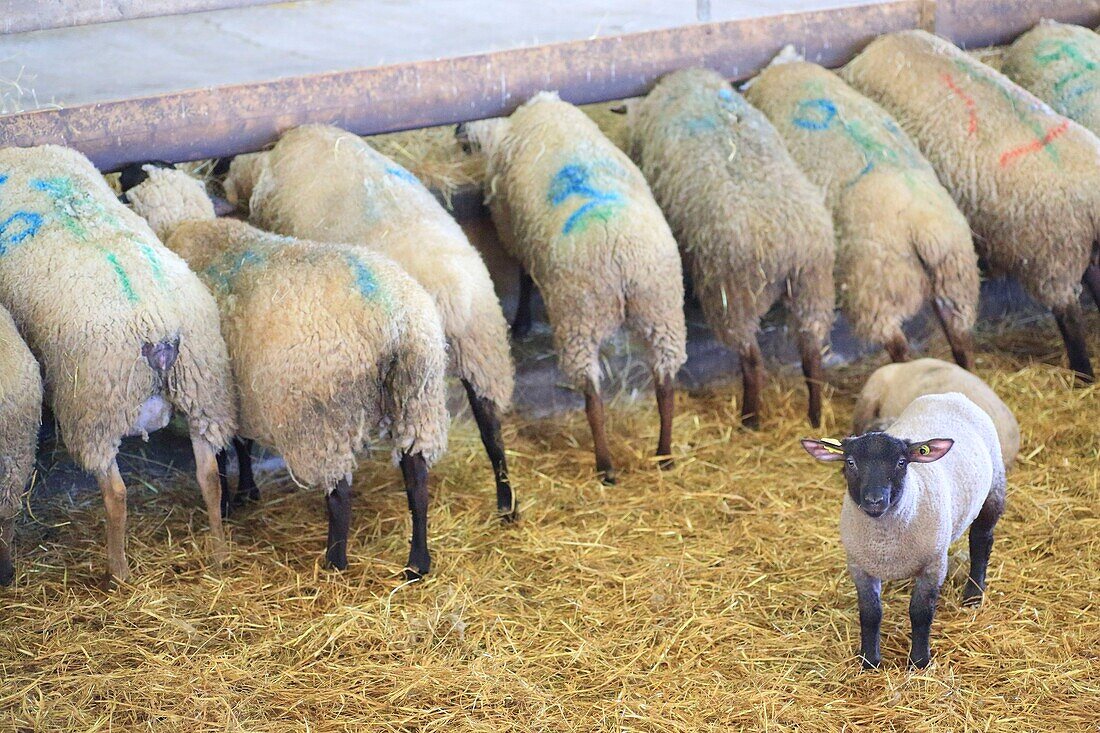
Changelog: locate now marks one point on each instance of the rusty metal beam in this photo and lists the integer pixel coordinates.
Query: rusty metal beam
(20, 16)
(220, 121)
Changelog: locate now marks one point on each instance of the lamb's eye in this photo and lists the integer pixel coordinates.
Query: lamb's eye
(851, 463)
(901, 462)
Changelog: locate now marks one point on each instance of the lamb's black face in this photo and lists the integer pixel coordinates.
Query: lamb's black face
(875, 465)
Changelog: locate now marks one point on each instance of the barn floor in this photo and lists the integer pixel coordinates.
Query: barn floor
(708, 596)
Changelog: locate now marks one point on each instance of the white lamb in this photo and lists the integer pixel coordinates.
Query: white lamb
(898, 523)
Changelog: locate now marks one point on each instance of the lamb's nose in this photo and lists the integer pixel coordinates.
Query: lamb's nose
(874, 503)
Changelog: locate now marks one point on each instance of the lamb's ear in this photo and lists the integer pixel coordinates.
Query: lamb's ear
(824, 450)
(619, 109)
(927, 451)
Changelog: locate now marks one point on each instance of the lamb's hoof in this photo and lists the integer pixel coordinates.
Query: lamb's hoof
(666, 464)
(337, 559)
(972, 596)
(7, 574)
(608, 477)
(919, 662)
(750, 422)
(508, 516)
(419, 565)
(871, 665)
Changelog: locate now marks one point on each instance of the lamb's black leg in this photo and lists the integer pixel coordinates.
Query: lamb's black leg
(521, 325)
(922, 608)
(415, 470)
(338, 503)
(488, 424)
(223, 479)
(1071, 325)
(1091, 279)
(868, 591)
(246, 482)
(981, 544)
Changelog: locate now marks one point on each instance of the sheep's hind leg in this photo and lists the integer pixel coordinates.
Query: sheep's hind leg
(1069, 319)
(868, 592)
(922, 608)
(246, 481)
(521, 324)
(415, 470)
(206, 471)
(981, 545)
(961, 341)
(666, 404)
(223, 482)
(898, 348)
(114, 499)
(7, 536)
(815, 377)
(593, 409)
(752, 379)
(338, 506)
(488, 424)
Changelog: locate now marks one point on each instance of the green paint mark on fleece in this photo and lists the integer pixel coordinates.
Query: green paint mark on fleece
(123, 278)
(223, 274)
(365, 281)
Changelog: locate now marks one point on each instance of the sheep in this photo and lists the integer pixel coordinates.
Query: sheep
(322, 183)
(898, 519)
(20, 416)
(329, 344)
(901, 241)
(578, 215)
(892, 387)
(1027, 178)
(752, 229)
(124, 331)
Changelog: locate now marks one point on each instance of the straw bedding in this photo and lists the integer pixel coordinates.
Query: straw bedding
(710, 596)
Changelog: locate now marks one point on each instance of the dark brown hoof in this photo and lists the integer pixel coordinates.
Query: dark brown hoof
(666, 463)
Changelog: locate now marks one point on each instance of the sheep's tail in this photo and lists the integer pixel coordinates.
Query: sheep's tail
(416, 391)
(947, 255)
(1091, 277)
(161, 356)
(482, 356)
(811, 294)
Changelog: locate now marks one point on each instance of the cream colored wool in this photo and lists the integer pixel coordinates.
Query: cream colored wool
(751, 227)
(900, 238)
(322, 183)
(20, 416)
(1060, 64)
(331, 345)
(579, 216)
(939, 500)
(89, 285)
(167, 193)
(894, 386)
(1027, 178)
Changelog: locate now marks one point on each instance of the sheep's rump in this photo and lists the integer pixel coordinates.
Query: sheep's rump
(583, 222)
(332, 346)
(326, 184)
(89, 285)
(1060, 64)
(20, 415)
(1027, 178)
(751, 227)
(900, 237)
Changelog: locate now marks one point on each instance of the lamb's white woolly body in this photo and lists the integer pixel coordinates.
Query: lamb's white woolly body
(325, 184)
(892, 387)
(579, 215)
(939, 500)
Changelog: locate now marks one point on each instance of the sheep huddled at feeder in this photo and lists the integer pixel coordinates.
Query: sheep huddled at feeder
(1060, 64)
(330, 345)
(913, 491)
(901, 241)
(322, 183)
(20, 415)
(752, 229)
(1027, 178)
(578, 215)
(124, 331)
(892, 387)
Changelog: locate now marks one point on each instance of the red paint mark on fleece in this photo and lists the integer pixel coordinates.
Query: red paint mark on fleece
(971, 107)
(1035, 145)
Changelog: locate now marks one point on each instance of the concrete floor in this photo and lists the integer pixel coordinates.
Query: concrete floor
(133, 58)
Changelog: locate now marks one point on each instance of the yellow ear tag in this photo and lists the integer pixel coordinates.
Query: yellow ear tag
(924, 450)
(832, 445)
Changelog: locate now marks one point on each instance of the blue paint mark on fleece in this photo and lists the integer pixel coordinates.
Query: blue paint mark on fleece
(575, 180)
(18, 227)
(398, 172)
(365, 282)
(725, 94)
(814, 114)
(225, 272)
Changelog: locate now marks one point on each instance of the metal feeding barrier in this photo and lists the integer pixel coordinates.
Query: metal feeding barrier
(226, 120)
